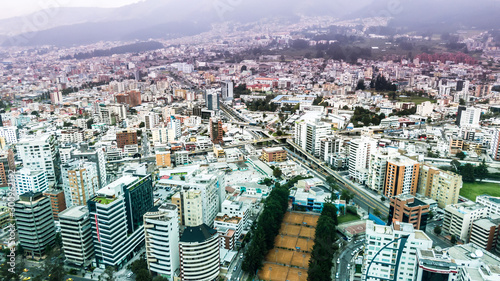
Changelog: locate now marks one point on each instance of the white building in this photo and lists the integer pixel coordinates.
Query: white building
(385, 264)
(28, 180)
(199, 253)
(378, 167)
(468, 117)
(308, 134)
(359, 152)
(80, 182)
(458, 218)
(9, 134)
(425, 109)
(161, 231)
(76, 235)
(71, 136)
(41, 154)
(492, 203)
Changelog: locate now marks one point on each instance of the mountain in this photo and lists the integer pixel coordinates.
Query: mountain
(170, 18)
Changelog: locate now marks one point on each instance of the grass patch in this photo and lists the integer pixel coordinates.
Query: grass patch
(347, 218)
(417, 100)
(471, 190)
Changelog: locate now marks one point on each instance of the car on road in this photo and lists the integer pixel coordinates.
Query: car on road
(130, 274)
(337, 275)
(338, 260)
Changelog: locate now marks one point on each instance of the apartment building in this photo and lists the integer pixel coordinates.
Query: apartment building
(401, 176)
(216, 131)
(126, 138)
(35, 223)
(28, 180)
(41, 154)
(76, 234)
(458, 218)
(273, 154)
(117, 225)
(406, 208)
(492, 203)
(484, 233)
(385, 263)
(199, 253)
(222, 223)
(308, 134)
(359, 160)
(377, 168)
(57, 201)
(163, 159)
(442, 186)
(161, 231)
(80, 181)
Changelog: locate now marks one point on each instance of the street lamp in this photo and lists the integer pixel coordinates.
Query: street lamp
(403, 239)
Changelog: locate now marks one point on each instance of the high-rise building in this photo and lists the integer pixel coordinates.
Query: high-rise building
(359, 152)
(442, 186)
(126, 138)
(199, 253)
(41, 154)
(212, 100)
(57, 201)
(189, 206)
(10, 134)
(468, 116)
(328, 146)
(7, 166)
(28, 180)
(116, 214)
(406, 208)
(56, 97)
(216, 131)
(385, 263)
(95, 155)
(401, 176)
(227, 90)
(458, 218)
(150, 120)
(112, 114)
(76, 235)
(484, 233)
(495, 145)
(80, 181)
(377, 168)
(490, 202)
(161, 230)
(35, 223)
(309, 133)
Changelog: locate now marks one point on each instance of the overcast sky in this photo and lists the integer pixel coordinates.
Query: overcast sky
(15, 8)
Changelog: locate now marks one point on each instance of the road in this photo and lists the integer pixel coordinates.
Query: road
(346, 258)
(361, 194)
(437, 240)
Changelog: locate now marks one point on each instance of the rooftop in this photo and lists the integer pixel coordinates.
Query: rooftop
(197, 234)
(74, 212)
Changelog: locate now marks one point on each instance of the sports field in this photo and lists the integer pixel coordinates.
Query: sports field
(471, 190)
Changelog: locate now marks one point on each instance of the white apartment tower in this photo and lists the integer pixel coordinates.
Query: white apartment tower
(28, 180)
(308, 135)
(385, 263)
(76, 235)
(359, 152)
(80, 181)
(41, 154)
(161, 231)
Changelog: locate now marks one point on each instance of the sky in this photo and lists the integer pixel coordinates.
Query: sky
(16, 8)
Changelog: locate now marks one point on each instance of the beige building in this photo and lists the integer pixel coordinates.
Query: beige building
(442, 186)
(189, 207)
(401, 176)
(163, 159)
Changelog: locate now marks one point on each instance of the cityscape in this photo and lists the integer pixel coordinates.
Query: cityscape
(227, 140)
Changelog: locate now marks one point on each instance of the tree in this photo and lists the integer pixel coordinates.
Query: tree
(141, 125)
(108, 274)
(160, 278)
(376, 212)
(347, 195)
(35, 113)
(461, 155)
(277, 172)
(455, 166)
(453, 239)
(437, 230)
(143, 275)
(461, 101)
(481, 171)
(243, 68)
(467, 172)
(361, 85)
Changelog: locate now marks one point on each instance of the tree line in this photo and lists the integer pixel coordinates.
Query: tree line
(469, 172)
(321, 263)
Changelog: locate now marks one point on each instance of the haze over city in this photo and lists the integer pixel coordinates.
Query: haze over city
(234, 140)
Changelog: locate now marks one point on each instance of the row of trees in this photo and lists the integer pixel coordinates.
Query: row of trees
(268, 227)
(263, 105)
(381, 84)
(324, 247)
(469, 172)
